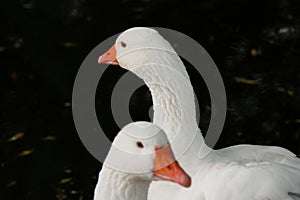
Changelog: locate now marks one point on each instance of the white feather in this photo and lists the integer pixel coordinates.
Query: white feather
(240, 172)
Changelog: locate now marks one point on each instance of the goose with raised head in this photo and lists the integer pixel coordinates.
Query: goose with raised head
(139, 154)
(239, 172)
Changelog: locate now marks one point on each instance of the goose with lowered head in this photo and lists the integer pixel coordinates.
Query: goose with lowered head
(239, 172)
(139, 154)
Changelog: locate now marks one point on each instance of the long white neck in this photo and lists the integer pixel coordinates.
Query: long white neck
(173, 101)
(116, 185)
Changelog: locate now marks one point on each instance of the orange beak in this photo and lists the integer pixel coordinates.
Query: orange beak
(109, 57)
(167, 168)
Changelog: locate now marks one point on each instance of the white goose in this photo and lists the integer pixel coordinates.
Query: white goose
(244, 172)
(139, 153)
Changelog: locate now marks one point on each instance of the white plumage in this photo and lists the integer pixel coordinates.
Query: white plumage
(137, 156)
(244, 172)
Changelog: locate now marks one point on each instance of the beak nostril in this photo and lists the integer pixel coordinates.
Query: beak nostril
(108, 53)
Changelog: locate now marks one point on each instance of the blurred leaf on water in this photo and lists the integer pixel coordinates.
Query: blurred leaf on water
(255, 52)
(17, 136)
(49, 138)
(65, 180)
(25, 153)
(246, 81)
(11, 184)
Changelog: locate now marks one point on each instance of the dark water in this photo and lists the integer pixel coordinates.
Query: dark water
(255, 44)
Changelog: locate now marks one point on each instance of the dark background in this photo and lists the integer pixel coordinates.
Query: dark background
(255, 44)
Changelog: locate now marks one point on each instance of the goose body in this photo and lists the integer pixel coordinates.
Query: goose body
(139, 154)
(239, 172)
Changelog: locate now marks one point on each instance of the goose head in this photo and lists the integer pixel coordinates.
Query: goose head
(142, 149)
(136, 47)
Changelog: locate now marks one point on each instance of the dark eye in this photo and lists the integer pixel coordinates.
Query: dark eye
(123, 44)
(139, 144)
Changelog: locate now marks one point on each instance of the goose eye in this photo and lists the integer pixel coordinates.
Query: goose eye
(139, 144)
(123, 44)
